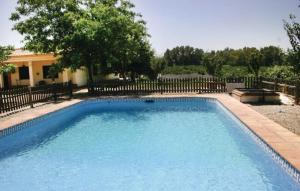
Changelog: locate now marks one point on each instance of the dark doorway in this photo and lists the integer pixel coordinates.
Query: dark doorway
(7, 81)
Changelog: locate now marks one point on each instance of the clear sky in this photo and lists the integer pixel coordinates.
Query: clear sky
(206, 24)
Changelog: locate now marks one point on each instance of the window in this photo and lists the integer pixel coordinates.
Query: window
(46, 74)
(23, 73)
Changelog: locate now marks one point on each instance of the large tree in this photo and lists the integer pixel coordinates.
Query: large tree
(5, 51)
(255, 63)
(293, 31)
(84, 32)
(213, 62)
(183, 56)
(271, 56)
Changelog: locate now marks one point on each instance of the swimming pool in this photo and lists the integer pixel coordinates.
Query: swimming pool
(131, 144)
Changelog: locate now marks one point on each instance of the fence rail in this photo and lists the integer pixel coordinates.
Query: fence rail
(289, 87)
(195, 85)
(18, 98)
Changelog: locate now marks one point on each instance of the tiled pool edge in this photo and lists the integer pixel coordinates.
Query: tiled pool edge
(284, 163)
(18, 127)
(287, 166)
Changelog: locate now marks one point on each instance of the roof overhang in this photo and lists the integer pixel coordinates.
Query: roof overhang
(31, 58)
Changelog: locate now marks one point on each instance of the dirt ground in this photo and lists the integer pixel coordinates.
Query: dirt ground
(287, 116)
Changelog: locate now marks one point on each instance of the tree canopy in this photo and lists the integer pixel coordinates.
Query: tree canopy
(5, 51)
(183, 55)
(293, 31)
(107, 33)
(247, 61)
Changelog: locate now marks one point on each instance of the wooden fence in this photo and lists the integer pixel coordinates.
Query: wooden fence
(18, 98)
(195, 85)
(289, 87)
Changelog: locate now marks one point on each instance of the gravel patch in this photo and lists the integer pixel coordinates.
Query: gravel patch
(287, 116)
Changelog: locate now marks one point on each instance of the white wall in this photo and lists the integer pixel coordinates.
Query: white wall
(1, 81)
(80, 77)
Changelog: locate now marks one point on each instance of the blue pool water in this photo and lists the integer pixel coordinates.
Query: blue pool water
(190, 144)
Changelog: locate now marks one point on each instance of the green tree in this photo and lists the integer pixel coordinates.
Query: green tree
(245, 55)
(255, 62)
(141, 64)
(213, 63)
(272, 56)
(5, 51)
(283, 72)
(184, 56)
(293, 31)
(230, 56)
(158, 64)
(85, 33)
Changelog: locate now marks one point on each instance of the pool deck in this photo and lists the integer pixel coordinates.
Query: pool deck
(284, 142)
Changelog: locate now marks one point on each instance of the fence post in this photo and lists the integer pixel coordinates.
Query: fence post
(30, 97)
(1, 103)
(91, 88)
(54, 92)
(260, 82)
(275, 85)
(70, 88)
(297, 93)
(160, 86)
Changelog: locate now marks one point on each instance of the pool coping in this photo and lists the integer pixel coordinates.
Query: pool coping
(283, 142)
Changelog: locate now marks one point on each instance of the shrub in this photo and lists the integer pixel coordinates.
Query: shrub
(184, 70)
(284, 72)
(228, 71)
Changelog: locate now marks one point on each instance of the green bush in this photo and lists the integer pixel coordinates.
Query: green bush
(234, 71)
(284, 72)
(227, 71)
(184, 70)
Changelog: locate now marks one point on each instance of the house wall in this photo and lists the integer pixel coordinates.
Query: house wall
(37, 61)
(80, 77)
(37, 67)
(1, 81)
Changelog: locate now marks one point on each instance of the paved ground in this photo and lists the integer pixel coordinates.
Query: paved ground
(31, 113)
(287, 114)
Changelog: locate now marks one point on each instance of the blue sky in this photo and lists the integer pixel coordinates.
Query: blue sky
(206, 24)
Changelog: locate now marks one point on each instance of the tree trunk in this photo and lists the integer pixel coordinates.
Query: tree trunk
(91, 80)
(132, 76)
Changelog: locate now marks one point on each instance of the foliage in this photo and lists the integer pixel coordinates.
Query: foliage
(247, 61)
(5, 51)
(293, 32)
(284, 72)
(213, 63)
(255, 62)
(183, 56)
(271, 56)
(141, 64)
(184, 70)
(86, 33)
(7, 68)
(54, 70)
(293, 59)
(229, 71)
(158, 64)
